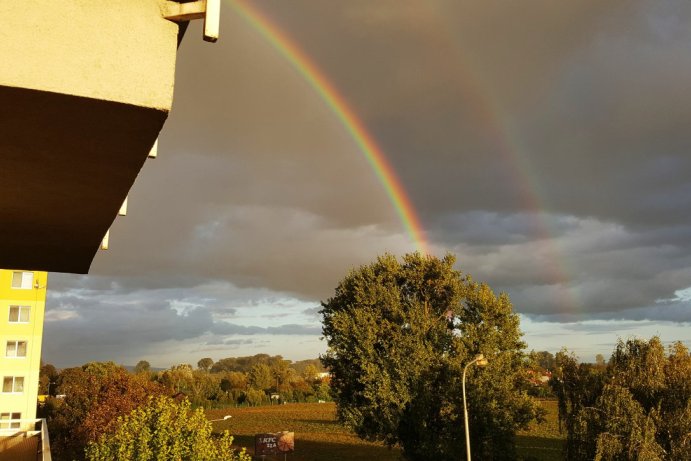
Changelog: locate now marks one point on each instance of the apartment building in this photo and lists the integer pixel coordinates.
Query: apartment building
(22, 307)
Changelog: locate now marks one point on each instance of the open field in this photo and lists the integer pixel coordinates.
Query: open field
(318, 437)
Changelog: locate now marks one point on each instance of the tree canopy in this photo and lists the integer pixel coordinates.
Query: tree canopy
(260, 377)
(205, 363)
(95, 395)
(399, 335)
(142, 367)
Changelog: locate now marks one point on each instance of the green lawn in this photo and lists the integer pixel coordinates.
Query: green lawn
(542, 442)
(317, 434)
(318, 437)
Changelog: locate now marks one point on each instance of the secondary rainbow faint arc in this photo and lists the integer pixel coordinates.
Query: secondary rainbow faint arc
(339, 106)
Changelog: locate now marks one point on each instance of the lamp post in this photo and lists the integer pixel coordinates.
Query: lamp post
(220, 419)
(480, 361)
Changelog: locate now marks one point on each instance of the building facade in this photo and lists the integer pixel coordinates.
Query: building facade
(22, 307)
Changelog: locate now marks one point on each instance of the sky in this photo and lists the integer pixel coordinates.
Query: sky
(545, 144)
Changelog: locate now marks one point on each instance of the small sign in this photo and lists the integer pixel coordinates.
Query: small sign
(265, 444)
(273, 444)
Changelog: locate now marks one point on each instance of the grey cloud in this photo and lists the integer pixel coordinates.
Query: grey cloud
(608, 326)
(222, 328)
(481, 228)
(601, 327)
(587, 267)
(293, 329)
(93, 324)
(234, 342)
(668, 312)
(313, 312)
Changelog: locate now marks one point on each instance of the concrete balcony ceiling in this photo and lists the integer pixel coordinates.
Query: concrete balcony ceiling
(85, 88)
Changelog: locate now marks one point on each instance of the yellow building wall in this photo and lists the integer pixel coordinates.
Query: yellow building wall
(31, 331)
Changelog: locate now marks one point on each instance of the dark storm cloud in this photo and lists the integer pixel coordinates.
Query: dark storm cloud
(590, 98)
(482, 228)
(593, 269)
(584, 85)
(545, 143)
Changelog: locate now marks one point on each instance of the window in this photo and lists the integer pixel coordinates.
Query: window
(22, 280)
(19, 314)
(10, 420)
(13, 384)
(15, 349)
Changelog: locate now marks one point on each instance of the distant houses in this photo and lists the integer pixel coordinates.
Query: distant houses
(539, 377)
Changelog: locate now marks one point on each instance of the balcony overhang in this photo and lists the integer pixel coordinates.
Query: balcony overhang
(84, 91)
(66, 165)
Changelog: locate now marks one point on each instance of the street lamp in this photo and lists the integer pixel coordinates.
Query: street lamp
(220, 419)
(480, 361)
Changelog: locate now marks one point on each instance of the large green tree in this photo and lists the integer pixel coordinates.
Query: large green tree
(399, 334)
(47, 379)
(142, 367)
(260, 377)
(205, 363)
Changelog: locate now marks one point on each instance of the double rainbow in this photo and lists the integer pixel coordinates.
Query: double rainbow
(487, 110)
(344, 113)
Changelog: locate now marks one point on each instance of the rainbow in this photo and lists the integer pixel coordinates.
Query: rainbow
(344, 113)
(485, 107)
(510, 147)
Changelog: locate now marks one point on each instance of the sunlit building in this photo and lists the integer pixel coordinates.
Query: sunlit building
(22, 307)
(22, 304)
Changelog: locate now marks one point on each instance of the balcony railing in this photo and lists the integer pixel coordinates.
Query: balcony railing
(28, 442)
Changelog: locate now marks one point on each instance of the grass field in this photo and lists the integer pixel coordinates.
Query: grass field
(318, 437)
(542, 442)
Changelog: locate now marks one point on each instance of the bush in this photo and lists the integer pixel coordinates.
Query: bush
(164, 430)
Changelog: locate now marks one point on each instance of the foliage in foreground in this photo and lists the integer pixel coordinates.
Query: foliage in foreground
(399, 335)
(637, 408)
(164, 430)
(95, 395)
